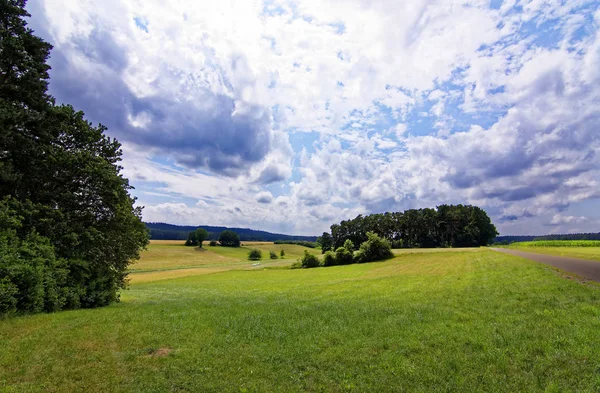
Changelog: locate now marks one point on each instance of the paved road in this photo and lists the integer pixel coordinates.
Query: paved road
(584, 268)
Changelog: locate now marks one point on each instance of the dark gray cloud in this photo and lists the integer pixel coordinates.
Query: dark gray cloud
(198, 128)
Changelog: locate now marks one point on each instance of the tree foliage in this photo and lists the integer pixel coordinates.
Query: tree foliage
(446, 226)
(326, 242)
(201, 236)
(229, 239)
(255, 255)
(374, 249)
(74, 222)
(309, 260)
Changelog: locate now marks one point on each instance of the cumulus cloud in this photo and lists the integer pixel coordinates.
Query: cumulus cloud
(264, 197)
(413, 104)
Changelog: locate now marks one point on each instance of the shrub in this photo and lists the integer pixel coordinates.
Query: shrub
(329, 259)
(374, 249)
(344, 256)
(254, 255)
(213, 243)
(272, 255)
(309, 260)
(282, 254)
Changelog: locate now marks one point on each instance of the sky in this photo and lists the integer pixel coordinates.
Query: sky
(289, 116)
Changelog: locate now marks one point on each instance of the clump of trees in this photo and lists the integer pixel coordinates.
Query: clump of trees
(373, 249)
(229, 239)
(68, 225)
(213, 243)
(197, 237)
(255, 255)
(445, 226)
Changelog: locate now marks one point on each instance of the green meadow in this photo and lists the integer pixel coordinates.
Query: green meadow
(436, 321)
(584, 249)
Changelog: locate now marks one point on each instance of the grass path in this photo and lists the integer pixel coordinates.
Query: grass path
(440, 321)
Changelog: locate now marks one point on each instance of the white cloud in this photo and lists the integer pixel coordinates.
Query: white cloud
(415, 104)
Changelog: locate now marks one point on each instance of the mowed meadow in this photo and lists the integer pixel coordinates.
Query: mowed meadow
(436, 320)
(584, 249)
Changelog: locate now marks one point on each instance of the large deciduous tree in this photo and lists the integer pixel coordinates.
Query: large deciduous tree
(229, 239)
(61, 186)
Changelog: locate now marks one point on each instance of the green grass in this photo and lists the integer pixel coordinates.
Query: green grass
(559, 243)
(439, 321)
(588, 249)
(168, 255)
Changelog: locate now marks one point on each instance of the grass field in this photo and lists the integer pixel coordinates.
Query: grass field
(458, 321)
(584, 249)
(173, 254)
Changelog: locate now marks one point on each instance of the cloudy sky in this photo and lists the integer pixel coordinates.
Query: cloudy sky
(291, 115)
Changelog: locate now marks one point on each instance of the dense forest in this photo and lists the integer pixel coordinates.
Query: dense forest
(68, 225)
(161, 231)
(445, 226)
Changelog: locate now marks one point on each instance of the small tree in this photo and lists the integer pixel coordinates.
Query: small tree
(272, 255)
(201, 235)
(344, 256)
(191, 240)
(213, 243)
(229, 238)
(329, 259)
(255, 255)
(282, 254)
(309, 260)
(374, 249)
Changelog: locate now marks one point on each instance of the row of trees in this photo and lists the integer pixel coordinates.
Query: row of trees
(445, 226)
(226, 238)
(68, 225)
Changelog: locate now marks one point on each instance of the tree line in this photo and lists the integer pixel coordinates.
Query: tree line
(162, 231)
(445, 226)
(68, 225)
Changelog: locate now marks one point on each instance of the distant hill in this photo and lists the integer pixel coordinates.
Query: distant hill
(569, 236)
(162, 231)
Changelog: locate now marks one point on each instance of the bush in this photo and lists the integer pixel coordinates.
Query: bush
(254, 255)
(329, 259)
(272, 255)
(282, 254)
(309, 260)
(213, 243)
(343, 256)
(374, 249)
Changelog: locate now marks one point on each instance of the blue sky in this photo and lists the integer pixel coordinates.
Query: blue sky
(289, 116)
